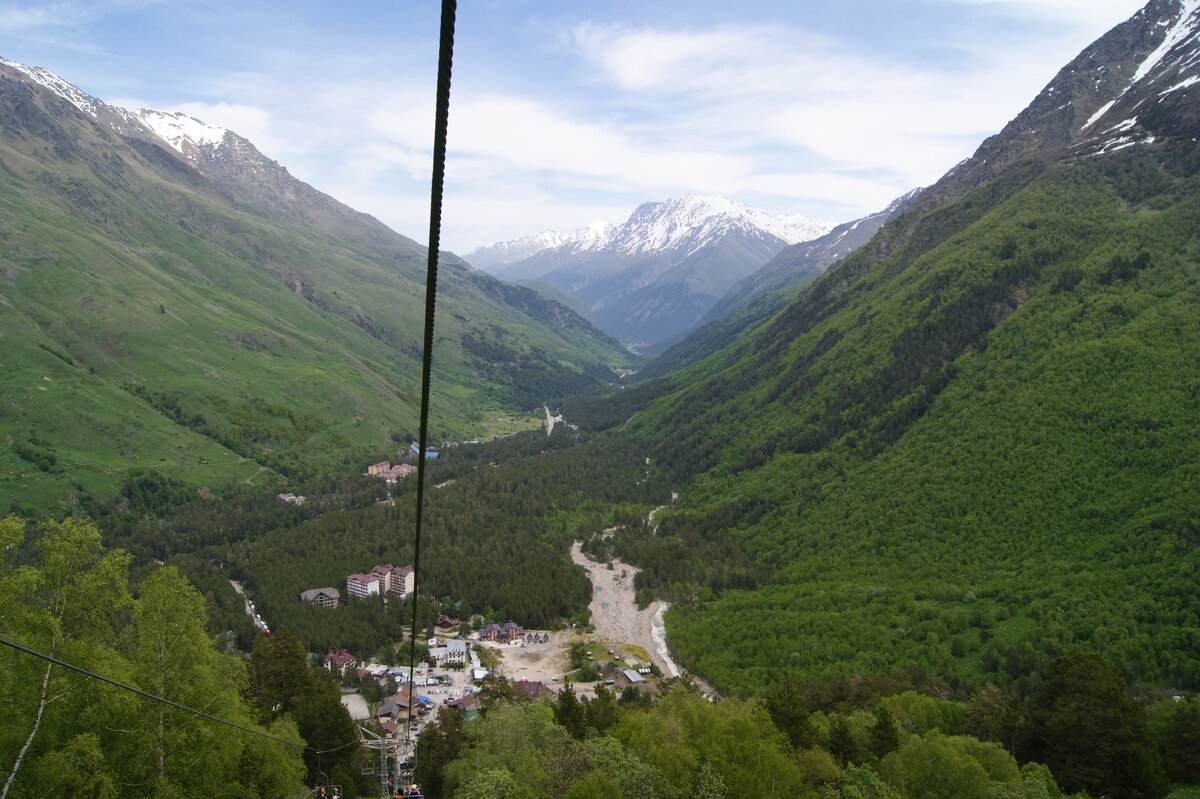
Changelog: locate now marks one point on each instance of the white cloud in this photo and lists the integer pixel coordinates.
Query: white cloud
(15, 17)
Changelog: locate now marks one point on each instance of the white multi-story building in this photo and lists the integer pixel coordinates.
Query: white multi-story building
(363, 585)
(398, 580)
(456, 652)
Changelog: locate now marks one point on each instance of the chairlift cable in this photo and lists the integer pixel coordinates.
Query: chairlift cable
(165, 701)
(441, 124)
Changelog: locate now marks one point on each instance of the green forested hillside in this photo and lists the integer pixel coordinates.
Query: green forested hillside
(964, 458)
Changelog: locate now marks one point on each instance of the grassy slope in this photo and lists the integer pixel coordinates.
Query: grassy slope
(984, 441)
(119, 269)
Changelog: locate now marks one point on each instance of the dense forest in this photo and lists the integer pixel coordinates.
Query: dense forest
(497, 531)
(272, 724)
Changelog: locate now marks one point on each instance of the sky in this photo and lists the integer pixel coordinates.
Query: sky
(564, 112)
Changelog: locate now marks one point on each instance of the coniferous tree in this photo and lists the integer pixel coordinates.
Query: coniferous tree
(1091, 734)
(885, 735)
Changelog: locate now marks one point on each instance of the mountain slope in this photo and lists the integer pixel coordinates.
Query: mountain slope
(153, 315)
(808, 259)
(657, 274)
(966, 448)
(752, 300)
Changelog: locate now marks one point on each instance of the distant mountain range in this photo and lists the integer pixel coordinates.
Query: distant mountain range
(657, 274)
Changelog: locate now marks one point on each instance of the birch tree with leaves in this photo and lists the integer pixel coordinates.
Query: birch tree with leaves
(65, 606)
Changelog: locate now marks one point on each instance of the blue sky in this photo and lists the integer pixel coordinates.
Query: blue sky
(563, 113)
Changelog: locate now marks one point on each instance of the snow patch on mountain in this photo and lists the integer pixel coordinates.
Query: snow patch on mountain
(1183, 28)
(1099, 113)
(1176, 54)
(180, 130)
(84, 102)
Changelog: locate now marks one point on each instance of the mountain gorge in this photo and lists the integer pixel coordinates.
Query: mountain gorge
(161, 298)
(923, 513)
(656, 275)
(966, 447)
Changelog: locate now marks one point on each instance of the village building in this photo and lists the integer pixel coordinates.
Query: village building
(339, 660)
(454, 653)
(386, 579)
(390, 472)
(625, 678)
(529, 690)
(507, 632)
(398, 707)
(322, 597)
(468, 704)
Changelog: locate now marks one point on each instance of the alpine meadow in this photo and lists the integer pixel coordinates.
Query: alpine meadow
(913, 513)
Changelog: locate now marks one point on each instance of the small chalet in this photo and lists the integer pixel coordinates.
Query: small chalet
(338, 660)
(398, 706)
(469, 704)
(393, 710)
(529, 690)
(322, 597)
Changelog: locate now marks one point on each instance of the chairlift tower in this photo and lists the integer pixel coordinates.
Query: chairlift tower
(391, 754)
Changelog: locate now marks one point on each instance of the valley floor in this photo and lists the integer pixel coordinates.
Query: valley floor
(616, 617)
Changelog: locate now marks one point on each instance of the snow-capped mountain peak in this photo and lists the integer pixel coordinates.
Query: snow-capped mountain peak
(692, 221)
(1160, 60)
(686, 224)
(228, 160)
(654, 275)
(181, 131)
(1158, 84)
